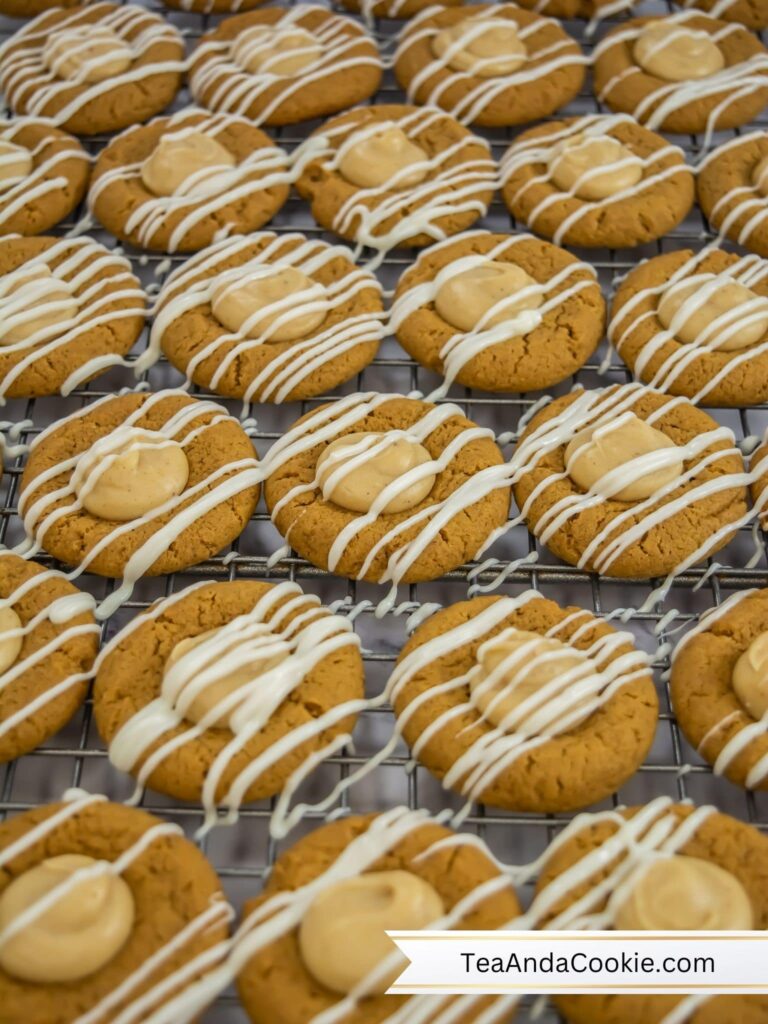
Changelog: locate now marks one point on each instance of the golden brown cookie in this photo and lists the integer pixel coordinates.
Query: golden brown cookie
(167, 481)
(179, 183)
(596, 10)
(660, 487)
(759, 488)
(581, 862)
(71, 309)
(732, 186)
(395, 175)
(29, 8)
(318, 317)
(691, 74)
(446, 491)
(717, 690)
(752, 13)
(543, 336)
(93, 69)
(48, 641)
(279, 66)
(696, 324)
(400, 841)
(572, 749)
(371, 9)
(44, 176)
(163, 900)
(213, 6)
(289, 659)
(551, 182)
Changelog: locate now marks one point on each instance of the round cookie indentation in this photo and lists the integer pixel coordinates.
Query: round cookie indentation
(728, 195)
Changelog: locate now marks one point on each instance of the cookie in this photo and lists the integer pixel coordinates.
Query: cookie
(732, 186)
(490, 65)
(752, 13)
(759, 488)
(139, 484)
(70, 310)
(29, 8)
(662, 859)
(683, 73)
(293, 665)
(93, 69)
(43, 176)
(442, 312)
(385, 488)
(228, 318)
(279, 66)
(460, 686)
(595, 10)
(399, 9)
(696, 324)
(716, 688)
(329, 930)
(213, 6)
(48, 641)
(597, 181)
(394, 175)
(140, 904)
(659, 488)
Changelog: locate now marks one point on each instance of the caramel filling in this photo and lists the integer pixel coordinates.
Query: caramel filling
(689, 308)
(464, 300)
(681, 893)
(342, 938)
(10, 646)
(125, 475)
(353, 471)
(677, 54)
(87, 54)
(188, 163)
(516, 667)
(253, 305)
(760, 176)
(246, 674)
(594, 167)
(486, 49)
(269, 49)
(77, 934)
(384, 157)
(15, 163)
(750, 677)
(594, 453)
(36, 300)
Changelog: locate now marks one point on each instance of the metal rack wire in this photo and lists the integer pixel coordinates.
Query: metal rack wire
(243, 854)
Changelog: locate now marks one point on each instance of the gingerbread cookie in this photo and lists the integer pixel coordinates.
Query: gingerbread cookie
(595, 10)
(138, 904)
(213, 6)
(669, 867)
(519, 703)
(336, 891)
(371, 9)
(732, 185)
(279, 66)
(752, 13)
(179, 183)
(70, 309)
(29, 8)
(43, 176)
(270, 318)
(385, 488)
(489, 64)
(139, 484)
(683, 73)
(696, 324)
(759, 488)
(628, 482)
(48, 641)
(597, 181)
(394, 175)
(93, 69)
(498, 312)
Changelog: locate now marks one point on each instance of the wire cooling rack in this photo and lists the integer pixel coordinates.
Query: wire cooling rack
(243, 854)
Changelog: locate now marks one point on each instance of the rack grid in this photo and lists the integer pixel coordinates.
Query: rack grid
(243, 854)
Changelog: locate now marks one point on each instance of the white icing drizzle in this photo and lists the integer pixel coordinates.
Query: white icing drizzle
(82, 264)
(236, 90)
(182, 293)
(462, 346)
(540, 150)
(205, 495)
(743, 200)
(733, 83)
(748, 271)
(545, 60)
(21, 66)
